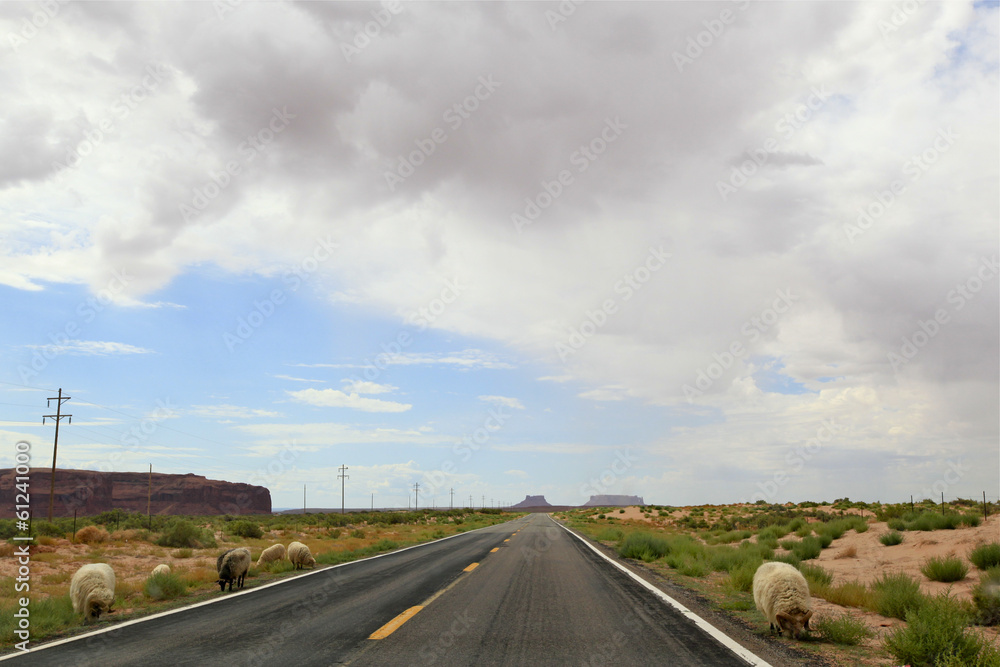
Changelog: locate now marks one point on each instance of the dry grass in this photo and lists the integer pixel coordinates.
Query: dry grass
(849, 552)
(91, 535)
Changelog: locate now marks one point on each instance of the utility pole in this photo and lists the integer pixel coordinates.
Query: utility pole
(416, 495)
(484, 502)
(373, 501)
(149, 500)
(343, 478)
(58, 416)
(452, 505)
(470, 501)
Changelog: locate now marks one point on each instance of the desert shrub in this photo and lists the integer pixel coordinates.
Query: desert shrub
(892, 538)
(278, 566)
(804, 531)
(843, 629)
(934, 521)
(971, 520)
(741, 576)
(847, 594)
(946, 569)
(643, 546)
(621, 511)
(48, 614)
(182, 553)
(935, 633)
(91, 535)
(247, 529)
(849, 552)
(986, 598)
(808, 548)
(986, 555)
(184, 534)
(814, 574)
(791, 559)
(334, 533)
(164, 586)
(897, 524)
(610, 534)
(896, 595)
(47, 528)
(358, 533)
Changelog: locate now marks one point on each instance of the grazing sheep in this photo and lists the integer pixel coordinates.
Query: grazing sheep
(92, 590)
(782, 594)
(162, 568)
(271, 554)
(232, 566)
(299, 554)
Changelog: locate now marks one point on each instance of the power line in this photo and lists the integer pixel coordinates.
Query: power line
(343, 478)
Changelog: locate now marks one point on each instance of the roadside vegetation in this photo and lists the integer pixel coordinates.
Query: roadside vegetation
(715, 550)
(133, 545)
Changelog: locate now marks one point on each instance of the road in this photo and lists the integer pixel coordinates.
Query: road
(520, 593)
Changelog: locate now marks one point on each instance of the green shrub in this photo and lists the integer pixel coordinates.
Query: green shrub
(610, 534)
(741, 576)
(891, 539)
(847, 594)
(814, 574)
(184, 534)
(804, 531)
(971, 520)
(247, 529)
(935, 633)
(825, 540)
(164, 586)
(896, 595)
(358, 533)
(946, 569)
(279, 566)
(897, 524)
(643, 546)
(986, 556)
(808, 548)
(48, 615)
(843, 629)
(621, 511)
(986, 598)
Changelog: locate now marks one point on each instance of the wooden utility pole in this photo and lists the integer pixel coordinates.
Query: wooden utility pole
(58, 416)
(343, 478)
(149, 500)
(416, 495)
(452, 505)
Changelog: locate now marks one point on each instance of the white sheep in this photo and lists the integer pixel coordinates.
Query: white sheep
(271, 554)
(162, 568)
(299, 554)
(781, 593)
(232, 566)
(92, 590)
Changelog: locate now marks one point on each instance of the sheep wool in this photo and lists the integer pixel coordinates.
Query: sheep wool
(299, 555)
(271, 554)
(233, 566)
(781, 593)
(92, 590)
(162, 568)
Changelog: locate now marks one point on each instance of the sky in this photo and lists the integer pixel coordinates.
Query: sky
(695, 252)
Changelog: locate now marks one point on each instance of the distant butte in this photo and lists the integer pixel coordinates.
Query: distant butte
(614, 501)
(532, 501)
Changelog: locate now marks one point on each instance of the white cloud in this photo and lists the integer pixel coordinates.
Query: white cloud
(517, 473)
(224, 411)
(466, 359)
(91, 348)
(295, 379)
(503, 400)
(328, 434)
(334, 398)
(364, 387)
(609, 393)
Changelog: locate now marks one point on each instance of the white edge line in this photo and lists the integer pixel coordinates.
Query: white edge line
(227, 597)
(718, 635)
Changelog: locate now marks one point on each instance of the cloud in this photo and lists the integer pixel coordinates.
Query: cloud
(334, 398)
(327, 434)
(295, 379)
(92, 348)
(503, 400)
(608, 393)
(517, 473)
(364, 387)
(224, 411)
(466, 359)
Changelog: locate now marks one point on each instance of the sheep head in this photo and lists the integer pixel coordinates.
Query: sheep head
(793, 624)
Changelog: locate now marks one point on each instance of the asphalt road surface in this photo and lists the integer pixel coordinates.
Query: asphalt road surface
(524, 592)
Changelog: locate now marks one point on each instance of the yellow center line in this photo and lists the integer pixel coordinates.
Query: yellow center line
(471, 567)
(494, 549)
(507, 540)
(395, 623)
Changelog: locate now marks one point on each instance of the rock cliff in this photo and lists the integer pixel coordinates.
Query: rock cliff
(91, 492)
